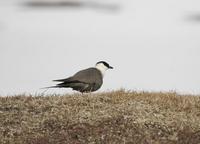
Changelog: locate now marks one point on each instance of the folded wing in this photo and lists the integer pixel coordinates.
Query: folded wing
(86, 80)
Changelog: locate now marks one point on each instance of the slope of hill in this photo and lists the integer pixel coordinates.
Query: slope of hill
(111, 117)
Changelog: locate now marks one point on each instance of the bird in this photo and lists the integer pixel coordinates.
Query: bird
(85, 81)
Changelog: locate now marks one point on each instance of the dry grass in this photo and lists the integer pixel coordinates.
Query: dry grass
(112, 117)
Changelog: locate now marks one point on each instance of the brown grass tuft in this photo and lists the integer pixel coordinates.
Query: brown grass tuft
(110, 117)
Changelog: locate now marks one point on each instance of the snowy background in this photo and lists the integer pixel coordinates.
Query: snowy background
(152, 45)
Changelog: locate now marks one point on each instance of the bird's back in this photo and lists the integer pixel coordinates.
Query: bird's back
(90, 76)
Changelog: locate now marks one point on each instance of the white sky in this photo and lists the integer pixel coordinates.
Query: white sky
(153, 45)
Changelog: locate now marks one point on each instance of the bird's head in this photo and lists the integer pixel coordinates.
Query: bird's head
(103, 66)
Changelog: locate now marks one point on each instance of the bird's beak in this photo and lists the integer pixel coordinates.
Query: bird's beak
(110, 67)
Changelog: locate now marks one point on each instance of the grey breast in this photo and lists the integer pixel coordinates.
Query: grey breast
(85, 80)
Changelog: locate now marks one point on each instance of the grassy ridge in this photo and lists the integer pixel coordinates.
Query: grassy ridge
(112, 117)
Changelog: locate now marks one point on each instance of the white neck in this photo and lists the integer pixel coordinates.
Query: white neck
(101, 68)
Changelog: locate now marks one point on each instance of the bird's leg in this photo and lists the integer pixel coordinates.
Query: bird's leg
(90, 91)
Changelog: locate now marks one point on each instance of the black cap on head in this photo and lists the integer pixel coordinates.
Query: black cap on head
(105, 63)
